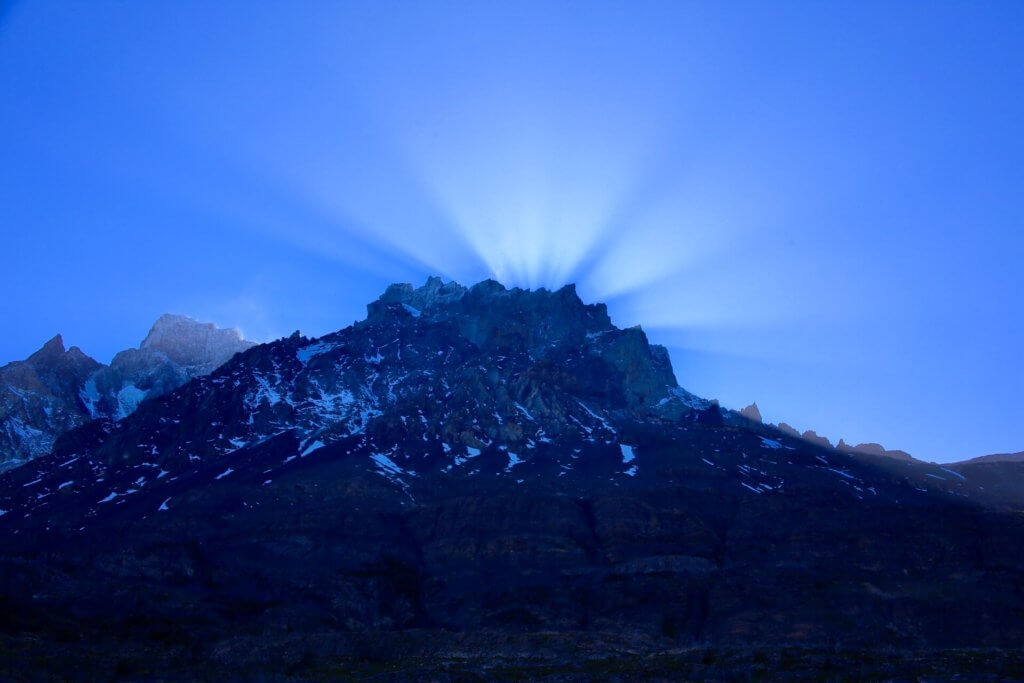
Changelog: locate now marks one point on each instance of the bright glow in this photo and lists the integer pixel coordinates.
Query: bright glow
(534, 205)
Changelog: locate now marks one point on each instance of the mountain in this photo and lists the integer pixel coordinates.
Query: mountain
(39, 400)
(751, 412)
(995, 457)
(198, 348)
(481, 483)
(55, 389)
(176, 349)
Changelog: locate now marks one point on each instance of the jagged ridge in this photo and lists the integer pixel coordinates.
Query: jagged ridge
(55, 390)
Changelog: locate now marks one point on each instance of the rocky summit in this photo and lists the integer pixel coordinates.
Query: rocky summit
(480, 483)
(54, 389)
(39, 399)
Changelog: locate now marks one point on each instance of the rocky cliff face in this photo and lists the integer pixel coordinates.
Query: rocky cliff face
(176, 350)
(197, 348)
(488, 480)
(751, 412)
(39, 400)
(56, 390)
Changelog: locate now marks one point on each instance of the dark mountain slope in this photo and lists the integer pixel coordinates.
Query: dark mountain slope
(486, 478)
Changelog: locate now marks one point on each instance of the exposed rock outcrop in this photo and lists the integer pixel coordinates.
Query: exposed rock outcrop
(789, 430)
(751, 412)
(874, 449)
(39, 400)
(198, 348)
(812, 437)
(55, 390)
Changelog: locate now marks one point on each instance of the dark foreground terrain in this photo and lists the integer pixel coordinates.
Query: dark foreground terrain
(334, 656)
(492, 484)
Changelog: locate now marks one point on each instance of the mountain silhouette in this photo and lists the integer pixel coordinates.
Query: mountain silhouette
(487, 481)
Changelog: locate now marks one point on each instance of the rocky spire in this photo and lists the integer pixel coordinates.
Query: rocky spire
(751, 412)
(50, 352)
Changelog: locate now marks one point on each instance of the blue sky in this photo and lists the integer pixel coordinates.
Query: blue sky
(817, 206)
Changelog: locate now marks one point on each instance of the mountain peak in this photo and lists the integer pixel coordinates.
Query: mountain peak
(50, 351)
(436, 293)
(173, 324)
(193, 344)
(490, 286)
(488, 314)
(433, 293)
(752, 412)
